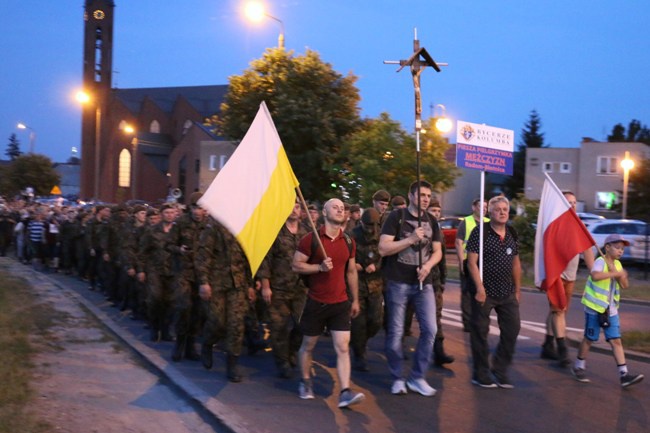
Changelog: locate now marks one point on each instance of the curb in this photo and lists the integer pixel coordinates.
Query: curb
(215, 409)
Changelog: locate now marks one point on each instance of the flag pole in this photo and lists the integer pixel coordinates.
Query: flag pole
(311, 221)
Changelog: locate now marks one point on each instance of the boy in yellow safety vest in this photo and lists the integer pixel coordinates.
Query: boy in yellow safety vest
(601, 300)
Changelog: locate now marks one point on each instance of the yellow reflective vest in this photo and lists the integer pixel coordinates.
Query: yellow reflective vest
(596, 294)
(470, 224)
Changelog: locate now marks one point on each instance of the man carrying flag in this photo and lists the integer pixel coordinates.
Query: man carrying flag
(560, 239)
(259, 179)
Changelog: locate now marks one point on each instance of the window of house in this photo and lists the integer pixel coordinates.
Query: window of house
(124, 169)
(212, 166)
(547, 167)
(606, 200)
(186, 126)
(222, 161)
(154, 127)
(607, 165)
(565, 167)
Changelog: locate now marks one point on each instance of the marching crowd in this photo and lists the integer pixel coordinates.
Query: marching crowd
(336, 270)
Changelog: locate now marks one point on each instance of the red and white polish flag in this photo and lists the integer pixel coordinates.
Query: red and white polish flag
(560, 236)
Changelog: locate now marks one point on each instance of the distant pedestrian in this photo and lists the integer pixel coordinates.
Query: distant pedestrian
(601, 300)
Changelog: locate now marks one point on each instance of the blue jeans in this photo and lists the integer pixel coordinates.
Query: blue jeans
(398, 296)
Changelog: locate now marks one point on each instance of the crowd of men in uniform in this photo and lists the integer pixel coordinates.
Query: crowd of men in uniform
(187, 278)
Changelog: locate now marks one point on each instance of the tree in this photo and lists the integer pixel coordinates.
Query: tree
(314, 108)
(531, 137)
(33, 170)
(381, 155)
(636, 133)
(13, 148)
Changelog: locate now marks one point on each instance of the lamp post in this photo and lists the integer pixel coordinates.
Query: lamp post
(255, 11)
(32, 135)
(627, 164)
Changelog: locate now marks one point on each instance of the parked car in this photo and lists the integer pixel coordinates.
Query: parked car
(634, 231)
(449, 226)
(587, 218)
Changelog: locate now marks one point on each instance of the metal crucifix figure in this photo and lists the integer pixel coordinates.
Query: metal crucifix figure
(419, 60)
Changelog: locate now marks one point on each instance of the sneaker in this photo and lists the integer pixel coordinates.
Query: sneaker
(421, 386)
(581, 376)
(399, 387)
(630, 379)
(483, 382)
(502, 380)
(306, 389)
(348, 398)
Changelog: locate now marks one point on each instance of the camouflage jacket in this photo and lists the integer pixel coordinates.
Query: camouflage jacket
(131, 236)
(97, 235)
(220, 260)
(368, 254)
(187, 234)
(155, 252)
(276, 266)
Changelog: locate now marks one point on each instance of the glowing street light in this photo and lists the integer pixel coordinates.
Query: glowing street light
(627, 164)
(443, 124)
(256, 11)
(32, 135)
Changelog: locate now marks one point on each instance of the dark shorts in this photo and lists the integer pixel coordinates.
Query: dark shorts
(316, 316)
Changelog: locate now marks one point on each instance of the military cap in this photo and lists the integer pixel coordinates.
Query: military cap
(398, 200)
(194, 197)
(381, 195)
(152, 211)
(139, 208)
(370, 216)
(435, 203)
(166, 206)
(355, 208)
(312, 207)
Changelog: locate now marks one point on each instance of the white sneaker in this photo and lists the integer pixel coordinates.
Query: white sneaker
(399, 387)
(421, 386)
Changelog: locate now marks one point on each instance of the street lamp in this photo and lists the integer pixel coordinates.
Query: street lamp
(32, 135)
(627, 164)
(255, 11)
(443, 124)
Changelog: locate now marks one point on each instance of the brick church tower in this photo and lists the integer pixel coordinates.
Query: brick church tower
(97, 69)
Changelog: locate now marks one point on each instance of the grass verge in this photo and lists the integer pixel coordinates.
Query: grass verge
(19, 316)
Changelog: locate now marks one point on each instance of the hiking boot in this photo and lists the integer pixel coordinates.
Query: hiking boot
(421, 386)
(440, 358)
(179, 348)
(630, 379)
(581, 376)
(306, 389)
(399, 387)
(348, 398)
(232, 369)
(549, 352)
(190, 350)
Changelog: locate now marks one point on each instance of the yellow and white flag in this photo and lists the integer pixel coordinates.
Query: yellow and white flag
(254, 193)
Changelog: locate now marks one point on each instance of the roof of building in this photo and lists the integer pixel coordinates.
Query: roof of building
(205, 99)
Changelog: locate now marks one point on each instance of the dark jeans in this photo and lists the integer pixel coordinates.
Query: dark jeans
(509, 324)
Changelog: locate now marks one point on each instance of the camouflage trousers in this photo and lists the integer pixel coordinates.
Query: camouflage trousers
(367, 323)
(284, 316)
(187, 308)
(438, 291)
(224, 318)
(160, 289)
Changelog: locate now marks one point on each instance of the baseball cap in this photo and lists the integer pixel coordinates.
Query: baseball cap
(616, 238)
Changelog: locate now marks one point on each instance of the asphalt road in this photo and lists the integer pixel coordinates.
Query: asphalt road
(546, 398)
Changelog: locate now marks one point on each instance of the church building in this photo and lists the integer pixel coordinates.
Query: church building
(143, 143)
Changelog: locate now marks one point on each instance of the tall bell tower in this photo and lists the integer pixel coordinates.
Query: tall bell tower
(97, 69)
